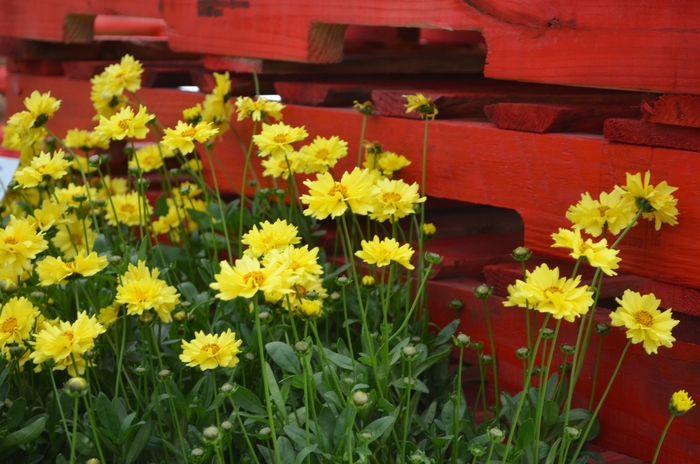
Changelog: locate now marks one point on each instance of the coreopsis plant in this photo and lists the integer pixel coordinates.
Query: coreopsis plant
(192, 328)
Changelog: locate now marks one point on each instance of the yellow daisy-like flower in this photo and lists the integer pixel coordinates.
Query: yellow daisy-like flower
(546, 292)
(276, 139)
(50, 214)
(20, 242)
(70, 195)
(394, 199)
(246, 278)
(141, 290)
(131, 209)
(223, 84)
(60, 341)
(20, 132)
(53, 271)
(270, 236)
(644, 322)
(147, 159)
(74, 236)
(209, 351)
(656, 203)
(429, 230)
(112, 186)
(42, 107)
(125, 75)
(281, 166)
(184, 135)
(390, 163)
(193, 115)
(366, 108)
(297, 297)
(217, 110)
(17, 320)
(259, 109)
(125, 124)
(85, 140)
(195, 165)
(596, 254)
(322, 154)
(330, 198)
(611, 212)
(10, 278)
(383, 252)
(680, 403)
(422, 105)
(108, 316)
(42, 166)
(301, 263)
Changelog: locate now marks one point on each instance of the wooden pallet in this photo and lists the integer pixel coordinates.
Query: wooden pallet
(626, 44)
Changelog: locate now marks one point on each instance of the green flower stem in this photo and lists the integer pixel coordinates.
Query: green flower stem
(421, 238)
(661, 440)
(421, 287)
(482, 386)
(120, 361)
(458, 393)
(156, 391)
(218, 446)
(362, 138)
(541, 394)
(173, 412)
(266, 386)
(220, 202)
(524, 394)
(60, 407)
(243, 188)
(305, 376)
(93, 426)
(627, 229)
(327, 363)
(600, 403)
(595, 371)
(407, 412)
(347, 327)
(493, 353)
(75, 430)
(245, 432)
(527, 327)
(491, 447)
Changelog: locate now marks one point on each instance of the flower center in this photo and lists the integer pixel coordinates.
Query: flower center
(189, 132)
(322, 154)
(294, 266)
(390, 197)
(338, 188)
(10, 241)
(257, 277)
(123, 124)
(585, 247)
(644, 318)
(602, 210)
(280, 138)
(68, 334)
(553, 289)
(283, 164)
(9, 325)
(77, 239)
(300, 290)
(213, 347)
(128, 208)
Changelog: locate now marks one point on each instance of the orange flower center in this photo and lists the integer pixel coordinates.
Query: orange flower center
(300, 290)
(68, 334)
(128, 208)
(77, 239)
(322, 154)
(123, 124)
(391, 196)
(213, 347)
(294, 266)
(9, 325)
(603, 210)
(257, 278)
(585, 246)
(189, 132)
(338, 188)
(283, 164)
(280, 138)
(10, 241)
(553, 289)
(644, 318)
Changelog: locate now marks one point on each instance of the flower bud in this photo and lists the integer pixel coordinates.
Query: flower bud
(263, 316)
(211, 433)
(140, 370)
(37, 295)
(185, 304)
(417, 457)
(301, 347)
(226, 388)
(312, 295)
(365, 436)
(433, 258)
(142, 184)
(165, 375)
(8, 286)
(264, 433)
(134, 170)
(360, 398)
(76, 386)
(179, 317)
(680, 403)
(429, 230)
(250, 356)
(174, 172)
(95, 160)
(567, 349)
(16, 351)
(486, 359)
(99, 203)
(483, 291)
(410, 352)
(547, 333)
(564, 367)
(89, 355)
(496, 435)
(477, 450)
(93, 461)
(477, 346)
(335, 296)
(409, 382)
(280, 193)
(602, 329)
(226, 426)
(116, 259)
(462, 340)
(253, 183)
(197, 453)
(416, 339)
(572, 432)
(79, 198)
(368, 281)
(521, 254)
(456, 304)
(146, 317)
(523, 352)
(343, 281)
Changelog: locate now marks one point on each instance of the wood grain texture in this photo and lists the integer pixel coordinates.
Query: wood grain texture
(674, 296)
(541, 117)
(647, 45)
(639, 132)
(677, 110)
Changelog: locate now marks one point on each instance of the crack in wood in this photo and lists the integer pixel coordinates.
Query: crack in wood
(215, 8)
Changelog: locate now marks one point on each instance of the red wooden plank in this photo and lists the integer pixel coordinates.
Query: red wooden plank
(540, 118)
(657, 135)
(467, 100)
(674, 296)
(678, 110)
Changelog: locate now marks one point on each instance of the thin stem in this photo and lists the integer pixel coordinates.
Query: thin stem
(243, 185)
(75, 430)
(595, 371)
(661, 440)
(541, 394)
(458, 393)
(362, 138)
(493, 352)
(245, 432)
(407, 411)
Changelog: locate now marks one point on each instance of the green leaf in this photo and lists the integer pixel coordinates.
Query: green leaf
(551, 386)
(577, 414)
(5, 373)
(526, 434)
(338, 359)
(286, 450)
(552, 456)
(437, 355)
(445, 334)
(84, 445)
(107, 414)
(139, 443)
(593, 455)
(304, 452)
(25, 435)
(247, 400)
(274, 389)
(550, 412)
(378, 427)
(283, 355)
(15, 414)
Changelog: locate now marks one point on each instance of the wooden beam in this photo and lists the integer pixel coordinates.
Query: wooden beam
(640, 132)
(677, 110)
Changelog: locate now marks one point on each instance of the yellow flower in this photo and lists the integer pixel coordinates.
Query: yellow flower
(42, 166)
(311, 308)
(644, 322)
(60, 341)
(71, 238)
(301, 263)
(294, 301)
(20, 242)
(246, 278)
(112, 186)
(390, 163)
(53, 271)
(270, 236)
(330, 198)
(21, 133)
(368, 281)
(184, 135)
(394, 199)
(611, 212)
(85, 140)
(125, 75)
(131, 209)
(383, 252)
(280, 166)
(69, 194)
(209, 351)
(680, 403)
(193, 115)
(195, 165)
(125, 124)
(81, 163)
(322, 154)
(544, 291)
(108, 316)
(42, 107)
(259, 109)
(223, 84)
(105, 103)
(656, 203)
(366, 108)
(596, 254)
(147, 158)
(17, 320)
(276, 139)
(421, 104)
(141, 290)
(429, 230)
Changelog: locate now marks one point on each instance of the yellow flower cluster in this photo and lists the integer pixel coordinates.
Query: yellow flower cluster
(109, 86)
(141, 290)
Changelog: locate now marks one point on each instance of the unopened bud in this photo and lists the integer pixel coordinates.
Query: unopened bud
(197, 453)
(211, 433)
(602, 329)
(572, 432)
(429, 230)
(521, 254)
(567, 349)
(433, 258)
(523, 352)
(483, 291)
(264, 315)
(496, 435)
(409, 351)
(343, 281)
(226, 426)
(486, 359)
(360, 398)
(477, 346)
(95, 160)
(226, 388)
(79, 198)
(116, 259)
(76, 385)
(301, 347)
(547, 333)
(37, 295)
(477, 450)
(8, 286)
(165, 374)
(179, 316)
(456, 304)
(146, 317)
(335, 296)
(462, 340)
(368, 281)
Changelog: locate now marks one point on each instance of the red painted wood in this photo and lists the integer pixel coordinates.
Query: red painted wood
(3, 78)
(646, 380)
(540, 118)
(658, 135)
(678, 110)
(673, 296)
(467, 100)
(113, 25)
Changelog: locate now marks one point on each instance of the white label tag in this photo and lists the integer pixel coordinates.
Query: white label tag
(8, 166)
